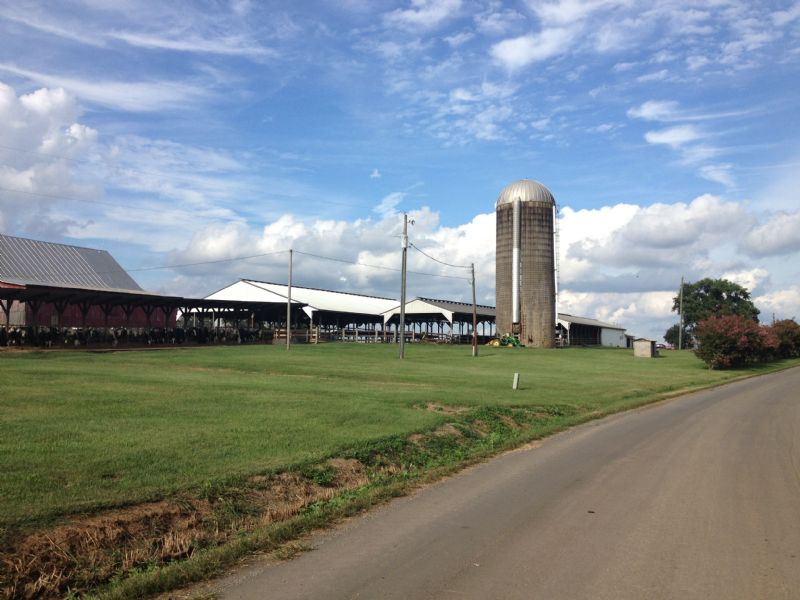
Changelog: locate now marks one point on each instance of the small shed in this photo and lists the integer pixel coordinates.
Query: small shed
(644, 348)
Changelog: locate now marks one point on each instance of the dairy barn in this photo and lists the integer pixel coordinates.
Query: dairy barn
(45, 285)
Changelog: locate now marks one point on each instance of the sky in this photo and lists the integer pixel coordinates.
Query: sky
(175, 133)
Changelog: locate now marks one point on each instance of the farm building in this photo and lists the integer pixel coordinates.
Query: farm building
(69, 286)
(45, 285)
(525, 281)
(345, 316)
(580, 331)
(444, 319)
(325, 313)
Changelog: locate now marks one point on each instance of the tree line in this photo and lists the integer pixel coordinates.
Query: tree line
(720, 322)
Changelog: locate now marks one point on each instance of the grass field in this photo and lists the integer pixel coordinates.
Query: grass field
(79, 431)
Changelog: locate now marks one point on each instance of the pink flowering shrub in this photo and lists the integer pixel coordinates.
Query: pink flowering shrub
(787, 338)
(731, 341)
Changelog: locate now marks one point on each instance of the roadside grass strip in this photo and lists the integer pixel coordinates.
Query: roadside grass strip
(132, 474)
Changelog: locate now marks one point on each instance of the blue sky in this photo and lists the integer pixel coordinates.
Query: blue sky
(172, 133)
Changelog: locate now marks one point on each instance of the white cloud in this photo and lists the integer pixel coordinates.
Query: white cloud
(388, 204)
(784, 17)
(622, 67)
(41, 139)
(124, 95)
(718, 173)
(783, 303)
(459, 39)
(376, 174)
(177, 41)
(498, 22)
(603, 128)
(426, 14)
(519, 52)
(750, 279)
(656, 76)
(780, 235)
(696, 62)
(567, 12)
(674, 136)
(624, 247)
(655, 110)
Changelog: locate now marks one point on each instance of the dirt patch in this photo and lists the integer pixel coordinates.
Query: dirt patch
(509, 422)
(419, 439)
(78, 555)
(446, 409)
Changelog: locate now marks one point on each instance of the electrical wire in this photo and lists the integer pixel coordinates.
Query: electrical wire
(207, 262)
(441, 262)
(341, 260)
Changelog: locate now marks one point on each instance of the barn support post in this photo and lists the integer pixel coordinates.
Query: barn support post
(84, 307)
(167, 310)
(35, 305)
(6, 306)
(60, 306)
(127, 310)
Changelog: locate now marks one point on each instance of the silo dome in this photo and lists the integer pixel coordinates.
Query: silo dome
(527, 190)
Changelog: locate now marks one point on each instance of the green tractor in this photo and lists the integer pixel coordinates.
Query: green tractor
(507, 341)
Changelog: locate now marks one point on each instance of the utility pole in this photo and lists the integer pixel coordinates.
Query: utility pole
(289, 305)
(474, 315)
(680, 311)
(404, 244)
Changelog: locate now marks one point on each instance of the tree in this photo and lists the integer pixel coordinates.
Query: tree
(731, 341)
(713, 298)
(787, 338)
(671, 337)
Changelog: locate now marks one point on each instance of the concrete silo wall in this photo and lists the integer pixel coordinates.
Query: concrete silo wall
(537, 273)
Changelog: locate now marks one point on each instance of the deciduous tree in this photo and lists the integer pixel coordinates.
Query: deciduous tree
(713, 298)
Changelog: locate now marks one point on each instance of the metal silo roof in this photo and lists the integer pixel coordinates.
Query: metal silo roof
(527, 190)
(32, 262)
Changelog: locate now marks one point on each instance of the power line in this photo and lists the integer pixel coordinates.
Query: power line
(441, 262)
(350, 262)
(207, 262)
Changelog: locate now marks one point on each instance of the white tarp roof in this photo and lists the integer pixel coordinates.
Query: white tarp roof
(419, 306)
(316, 299)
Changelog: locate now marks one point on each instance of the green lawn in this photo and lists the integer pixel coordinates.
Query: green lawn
(84, 430)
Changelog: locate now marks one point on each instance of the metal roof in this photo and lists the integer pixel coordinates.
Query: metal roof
(526, 190)
(32, 262)
(584, 321)
(316, 299)
(264, 308)
(448, 309)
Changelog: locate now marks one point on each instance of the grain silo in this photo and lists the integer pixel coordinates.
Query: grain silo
(525, 263)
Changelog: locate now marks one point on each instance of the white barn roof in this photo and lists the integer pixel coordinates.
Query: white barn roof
(445, 308)
(316, 299)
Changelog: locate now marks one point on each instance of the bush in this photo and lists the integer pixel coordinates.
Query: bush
(787, 338)
(731, 341)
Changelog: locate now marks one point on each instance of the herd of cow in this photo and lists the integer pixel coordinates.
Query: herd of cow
(70, 337)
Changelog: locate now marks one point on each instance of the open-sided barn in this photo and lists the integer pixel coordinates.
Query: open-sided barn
(47, 286)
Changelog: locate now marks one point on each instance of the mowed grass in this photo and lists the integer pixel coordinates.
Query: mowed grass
(80, 431)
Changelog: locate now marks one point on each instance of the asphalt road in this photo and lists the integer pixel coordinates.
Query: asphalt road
(698, 497)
